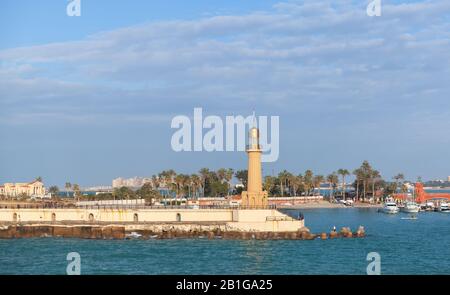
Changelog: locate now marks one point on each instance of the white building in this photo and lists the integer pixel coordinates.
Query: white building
(130, 182)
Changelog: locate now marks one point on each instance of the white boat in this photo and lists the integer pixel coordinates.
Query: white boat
(429, 206)
(443, 207)
(410, 207)
(390, 207)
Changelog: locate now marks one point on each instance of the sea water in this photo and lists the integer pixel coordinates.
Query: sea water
(406, 246)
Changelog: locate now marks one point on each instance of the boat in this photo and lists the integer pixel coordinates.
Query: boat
(390, 207)
(410, 207)
(443, 207)
(429, 206)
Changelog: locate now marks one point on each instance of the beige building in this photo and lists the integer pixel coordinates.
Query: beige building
(35, 188)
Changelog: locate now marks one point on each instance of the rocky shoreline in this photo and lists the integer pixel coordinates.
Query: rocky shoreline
(120, 232)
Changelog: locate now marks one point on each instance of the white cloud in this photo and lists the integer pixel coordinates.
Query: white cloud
(308, 55)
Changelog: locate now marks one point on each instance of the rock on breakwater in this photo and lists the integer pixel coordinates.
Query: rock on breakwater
(160, 232)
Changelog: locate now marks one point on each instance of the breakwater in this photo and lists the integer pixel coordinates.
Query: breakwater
(162, 231)
(250, 220)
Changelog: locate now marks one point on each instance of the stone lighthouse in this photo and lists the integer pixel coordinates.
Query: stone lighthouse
(254, 197)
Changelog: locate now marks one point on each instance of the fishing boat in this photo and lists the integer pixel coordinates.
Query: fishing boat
(390, 207)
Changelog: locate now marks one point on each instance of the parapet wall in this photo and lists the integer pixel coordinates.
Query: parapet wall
(233, 219)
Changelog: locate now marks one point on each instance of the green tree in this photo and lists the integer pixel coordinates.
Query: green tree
(123, 193)
(148, 193)
(242, 176)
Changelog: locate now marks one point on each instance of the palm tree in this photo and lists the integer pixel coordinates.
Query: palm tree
(196, 183)
(76, 190)
(375, 177)
(318, 179)
(67, 186)
(283, 177)
(228, 177)
(53, 190)
(358, 177)
(332, 179)
(179, 181)
(308, 181)
(242, 176)
(269, 183)
(204, 174)
(366, 174)
(155, 181)
(343, 173)
(397, 179)
(295, 182)
(221, 173)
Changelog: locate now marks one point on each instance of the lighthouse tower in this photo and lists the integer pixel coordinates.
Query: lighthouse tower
(254, 197)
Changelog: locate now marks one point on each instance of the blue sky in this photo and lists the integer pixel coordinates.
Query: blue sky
(90, 98)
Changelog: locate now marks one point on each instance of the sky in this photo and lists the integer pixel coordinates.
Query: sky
(87, 99)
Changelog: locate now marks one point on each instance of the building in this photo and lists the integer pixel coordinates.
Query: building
(30, 189)
(448, 178)
(133, 182)
(254, 197)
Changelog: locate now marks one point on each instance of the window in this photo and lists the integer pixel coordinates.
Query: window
(136, 217)
(178, 217)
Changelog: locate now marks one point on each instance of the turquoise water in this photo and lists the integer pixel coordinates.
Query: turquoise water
(419, 246)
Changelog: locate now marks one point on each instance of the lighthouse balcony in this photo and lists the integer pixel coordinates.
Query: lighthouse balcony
(253, 147)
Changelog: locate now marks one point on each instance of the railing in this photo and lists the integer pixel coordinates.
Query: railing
(134, 207)
(253, 147)
(279, 218)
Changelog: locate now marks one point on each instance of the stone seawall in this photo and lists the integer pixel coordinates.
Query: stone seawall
(160, 231)
(84, 232)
